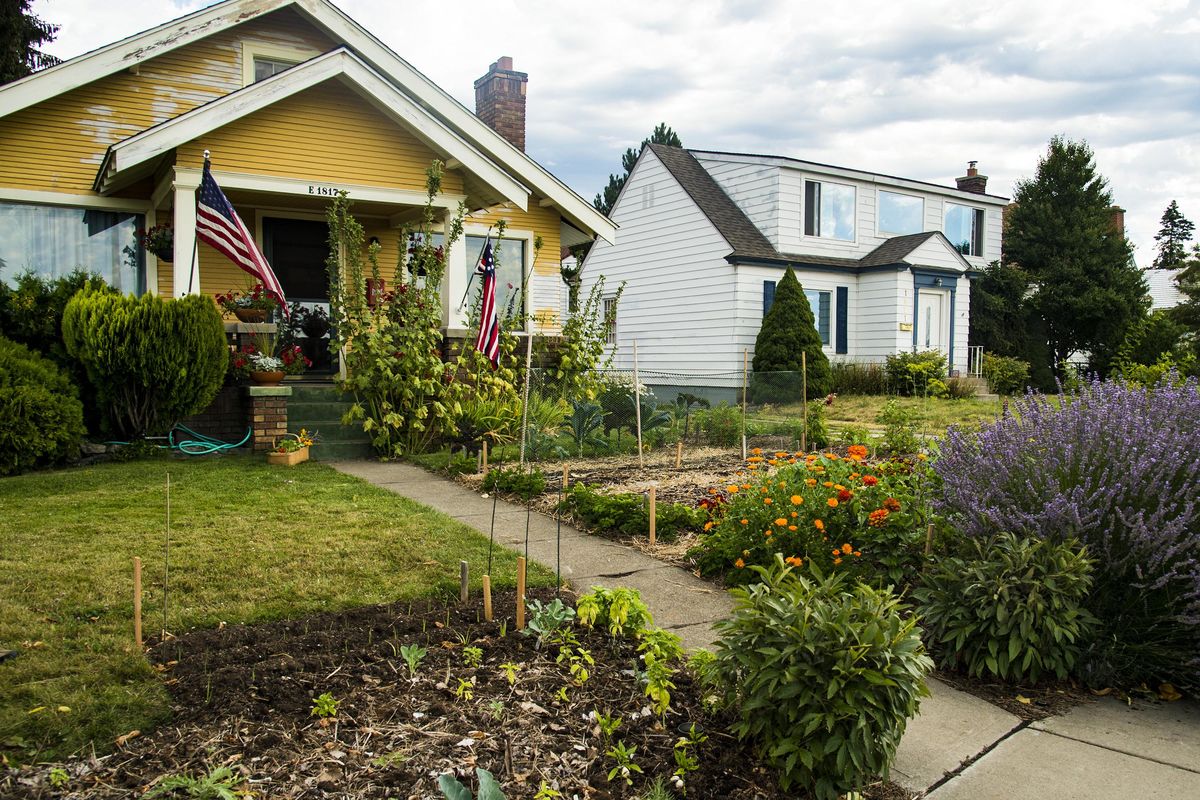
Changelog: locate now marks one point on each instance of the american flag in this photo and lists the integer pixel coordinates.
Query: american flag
(488, 341)
(221, 227)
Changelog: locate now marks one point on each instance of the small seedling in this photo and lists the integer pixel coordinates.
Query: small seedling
(546, 619)
(685, 760)
(608, 724)
(546, 793)
(466, 689)
(58, 777)
(497, 708)
(413, 654)
(625, 764)
(324, 706)
(510, 671)
(562, 694)
(452, 788)
(472, 656)
(216, 785)
(503, 628)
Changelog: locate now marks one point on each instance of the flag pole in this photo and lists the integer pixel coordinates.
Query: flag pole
(463, 303)
(192, 265)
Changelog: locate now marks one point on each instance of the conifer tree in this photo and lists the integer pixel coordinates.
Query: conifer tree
(789, 329)
(21, 34)
(1173, 235)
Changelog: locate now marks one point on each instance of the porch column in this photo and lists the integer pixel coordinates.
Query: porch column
(187, 259)
(455, 282)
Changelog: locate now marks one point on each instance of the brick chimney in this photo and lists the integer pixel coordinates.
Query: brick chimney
(972, 181)
(500, 101)
(1117, 217)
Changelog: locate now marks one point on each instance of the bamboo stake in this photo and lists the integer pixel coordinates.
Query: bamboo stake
(637, 406)
(929, 540)
(520, 592)
(487, 597)
(566, 475)
(745, 389)
(653, 515)
(804, 401)
(137, 601)
(483, 467)
(167, 557)
(678, 453)
(463, 582)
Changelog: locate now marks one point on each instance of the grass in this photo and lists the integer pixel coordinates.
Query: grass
(934, 414)
(248, 543)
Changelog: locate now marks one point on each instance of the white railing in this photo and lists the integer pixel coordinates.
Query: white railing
(975, 361)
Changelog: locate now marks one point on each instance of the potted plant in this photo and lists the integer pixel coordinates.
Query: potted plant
(252, 305)
(315, 323)
(257, 363)
(159, 240)
(292, 448)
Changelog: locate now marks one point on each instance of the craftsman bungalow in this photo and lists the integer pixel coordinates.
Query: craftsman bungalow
(295, 101)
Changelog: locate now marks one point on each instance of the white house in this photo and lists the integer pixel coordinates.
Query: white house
(705, 236)
(1164, 291)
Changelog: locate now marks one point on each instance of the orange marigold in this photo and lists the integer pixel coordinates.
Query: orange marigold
(811, 481)
(891, 504)
(792, 527)
(767, 501)
(857, 450)
(797, 499)
(832, 502)
(745, 521)
(755, 459)
(837, 561)
(732, 488)
(847, 549)
(781, 522)
(818, 524)
(756, 451)
(870, 480)
(878, 518)
(739, 563)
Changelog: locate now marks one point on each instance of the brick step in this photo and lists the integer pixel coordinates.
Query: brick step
(341, 451)
(317, 393)
(310, 409)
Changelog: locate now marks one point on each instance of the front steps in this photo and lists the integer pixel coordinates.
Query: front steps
(319, 406)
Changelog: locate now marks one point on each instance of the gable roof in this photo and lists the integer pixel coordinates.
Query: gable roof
(730, 221)
(134, 50)
(895, 249)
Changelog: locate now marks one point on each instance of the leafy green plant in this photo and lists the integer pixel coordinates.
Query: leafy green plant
(1009, 607)
(218, 784)
(324, 706)
(546, 619)
(657, 790)
(58, 777)
(900, 428)
(413, 655)
(856, 435)
(686, 760)
(514, 481)
(659, 644)
(585, 425)
(578, 661)
(629, 514)
(466, 689)
(496, 708)
(510, 671)
(621, 611)
(472, 656)
(818, 432)
(855, 378)
(823, 674)
(151, 361)
(659, 683)
(41, 417)
(722, 425)
(452, 788)
(1005, 375)
(625, 764)
(910, 373)
(545, 792)
(607, 723)
(580, 355)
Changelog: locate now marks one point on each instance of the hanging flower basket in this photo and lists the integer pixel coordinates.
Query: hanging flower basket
(159, 240)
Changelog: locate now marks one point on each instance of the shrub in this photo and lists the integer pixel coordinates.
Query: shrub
(151, 361)
(620, 611)
(525, 485)
(629, 514)
(1010, 606)
(911, 373)
(810, 507)
(722, 425)
(34, 309)
(856, 435)
(818, 432)
(849, 377)
(1118, 467)
(41, 418)
(788, 330)
(958, 389)
(900, 428)
(1005, 375)
(824, 676)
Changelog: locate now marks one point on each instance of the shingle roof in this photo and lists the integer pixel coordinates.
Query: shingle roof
(893, 251)
(743, 235)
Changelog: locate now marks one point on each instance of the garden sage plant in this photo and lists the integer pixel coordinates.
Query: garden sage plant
(1117, 467)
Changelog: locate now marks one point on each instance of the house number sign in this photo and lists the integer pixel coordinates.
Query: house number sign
(323, 191)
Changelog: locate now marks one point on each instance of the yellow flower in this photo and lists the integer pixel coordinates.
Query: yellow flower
(922, 457)
(745, 552)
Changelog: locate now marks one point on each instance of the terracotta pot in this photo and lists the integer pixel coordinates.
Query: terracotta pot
(288, 459)
(272, 378)
(251, 314)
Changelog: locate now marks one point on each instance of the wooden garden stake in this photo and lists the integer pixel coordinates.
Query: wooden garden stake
(929, 540)
(487, 597)
(653, 515)
(520, 592)
(637, 406)
(137, 601)
(745, 388)
(566, 475)
(804, 400)
(483, 467)
(678, 453)
(166, 557)
(463, 583)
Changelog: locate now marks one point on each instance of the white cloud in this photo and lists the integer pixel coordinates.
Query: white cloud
(913, 89)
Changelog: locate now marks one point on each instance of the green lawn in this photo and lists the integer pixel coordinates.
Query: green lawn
(248, 543)
(933, 414)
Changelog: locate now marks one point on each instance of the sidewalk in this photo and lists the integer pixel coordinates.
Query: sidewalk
(1098, 751)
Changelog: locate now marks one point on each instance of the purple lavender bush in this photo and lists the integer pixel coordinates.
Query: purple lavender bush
(1116, 466)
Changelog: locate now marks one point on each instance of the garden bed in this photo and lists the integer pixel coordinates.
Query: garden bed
(242, 697)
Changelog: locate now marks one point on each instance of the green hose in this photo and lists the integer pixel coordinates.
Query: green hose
(197, 445)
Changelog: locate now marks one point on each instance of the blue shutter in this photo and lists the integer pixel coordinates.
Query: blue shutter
(841, 340)
(768, 296)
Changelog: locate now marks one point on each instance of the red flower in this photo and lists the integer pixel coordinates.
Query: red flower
(845, 495)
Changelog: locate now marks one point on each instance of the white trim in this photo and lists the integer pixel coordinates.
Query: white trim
(982, 217)
(297, 186)
(288, 55)
(804, 181)
(98, 202)
(527, 274)
(884, 234)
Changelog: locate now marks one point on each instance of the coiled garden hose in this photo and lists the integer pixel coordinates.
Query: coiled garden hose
(197, 445)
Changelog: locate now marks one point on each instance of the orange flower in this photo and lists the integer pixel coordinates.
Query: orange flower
(794, 515)
(739, 563)
(832, 502)
(818, 524)
(795, 561)
(752, 467)
(857, 450)
(839, 487)
(847, 549)
(837, 561)
(797, 499)
(791, 527)
(767, 501)
(780, 454)
(713, 490)
(857, 553)
(732, 488)
(791, 461)
(845, 495)
(755, 459)
(756, 451)
(828, 484)
(782, 484)
(772, 462)
(781, 522)
(891, 504)
(708, 525)
(764, 490)
(811, 481)
(836, 552)
(745, 486)
(870, 480)
(877, 518)
(745, 521)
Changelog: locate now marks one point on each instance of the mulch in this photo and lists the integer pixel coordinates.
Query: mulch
(242, 696)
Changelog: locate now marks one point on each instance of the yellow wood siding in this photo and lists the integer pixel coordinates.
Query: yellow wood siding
(58, 144)
(327, 134)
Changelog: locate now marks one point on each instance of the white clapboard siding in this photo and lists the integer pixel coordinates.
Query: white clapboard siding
(679, 290)
(935, 253)
(753, 187)
(880, 298)
(962, 321)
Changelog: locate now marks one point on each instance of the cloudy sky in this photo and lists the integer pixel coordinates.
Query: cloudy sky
(914, 88)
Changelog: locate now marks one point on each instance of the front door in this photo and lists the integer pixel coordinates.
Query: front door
(297, 249)
(933, 330)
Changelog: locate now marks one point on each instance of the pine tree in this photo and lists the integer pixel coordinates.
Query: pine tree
(1172, 237)
(21, 33)
(1187, 313)
(662, 134)
(1088, 292)
(789, 329)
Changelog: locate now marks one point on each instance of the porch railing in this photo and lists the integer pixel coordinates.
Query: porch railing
(975, 361)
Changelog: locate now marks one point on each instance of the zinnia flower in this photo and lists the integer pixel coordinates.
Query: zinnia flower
(891, 504)
(781, 522)
(870, 480)
(847, 549)
(739, 563)
(877, 518)
(818, 524)
(797, 499)
(845, 495)
(832, 502)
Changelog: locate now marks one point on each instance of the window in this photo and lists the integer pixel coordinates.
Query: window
(964, 228)
(900, 213)
(266, 67)
(829, 210)
(818, 300)
(53, 241)
(610, 320)
(510, 276)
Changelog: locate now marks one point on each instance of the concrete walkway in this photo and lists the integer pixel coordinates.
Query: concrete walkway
(1098, 751)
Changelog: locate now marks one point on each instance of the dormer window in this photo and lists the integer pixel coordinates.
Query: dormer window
(900, 214)
(829, 210)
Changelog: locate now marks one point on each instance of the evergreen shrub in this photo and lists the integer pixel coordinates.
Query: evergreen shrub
(41, 418)
(911, 374)
(788, 329)
(1005, 375)
(150, 361)
(824, 675)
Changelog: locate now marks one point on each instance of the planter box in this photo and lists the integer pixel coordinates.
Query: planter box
(288, 459)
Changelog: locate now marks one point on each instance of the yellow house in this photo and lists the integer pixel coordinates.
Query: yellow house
(295, 101)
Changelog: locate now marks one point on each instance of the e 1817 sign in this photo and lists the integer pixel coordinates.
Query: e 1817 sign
(323, 191)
